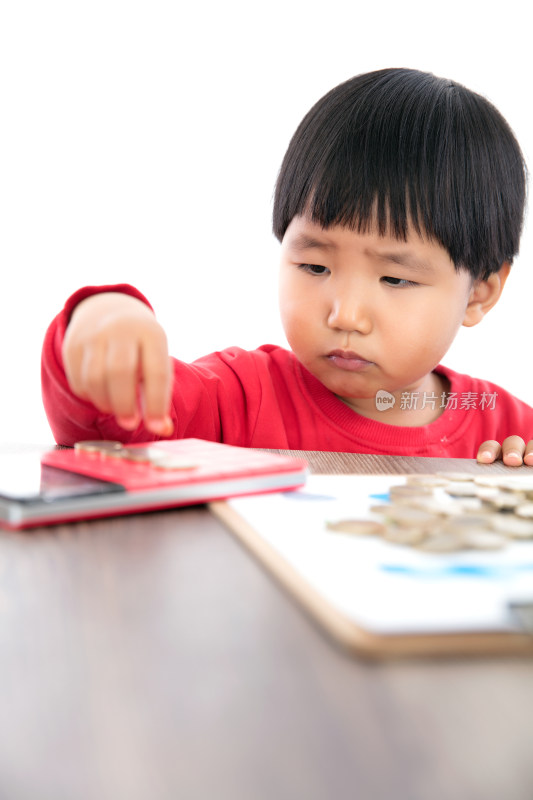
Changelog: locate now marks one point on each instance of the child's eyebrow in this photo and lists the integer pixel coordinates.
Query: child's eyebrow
(407, 259)
(302, 241)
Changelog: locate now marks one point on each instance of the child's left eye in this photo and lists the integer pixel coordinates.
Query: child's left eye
(401, 282)
(313, 269)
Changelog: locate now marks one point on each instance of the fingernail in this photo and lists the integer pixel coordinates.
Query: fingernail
(129, 423)
(486, 455)
(513, 456)
(169, 427)
(163, 427)
(156, 425)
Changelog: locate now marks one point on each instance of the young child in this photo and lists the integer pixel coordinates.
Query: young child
(399, 208)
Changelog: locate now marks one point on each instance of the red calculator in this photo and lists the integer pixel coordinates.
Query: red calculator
(103, 478)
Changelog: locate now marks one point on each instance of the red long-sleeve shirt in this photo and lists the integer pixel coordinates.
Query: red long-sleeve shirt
(266, 398)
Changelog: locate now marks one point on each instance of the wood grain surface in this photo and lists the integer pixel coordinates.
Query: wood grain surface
(363, 463)
(151, 658)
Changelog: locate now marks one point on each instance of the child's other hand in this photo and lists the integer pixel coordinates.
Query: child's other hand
(513, 452)
(115, 355)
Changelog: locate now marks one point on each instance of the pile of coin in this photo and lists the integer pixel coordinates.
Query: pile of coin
(139, 454)
(449, 511)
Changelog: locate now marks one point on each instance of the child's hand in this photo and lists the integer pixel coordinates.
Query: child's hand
(513, 452)
(115, 355)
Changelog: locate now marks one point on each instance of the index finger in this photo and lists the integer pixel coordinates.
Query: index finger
(156, 376)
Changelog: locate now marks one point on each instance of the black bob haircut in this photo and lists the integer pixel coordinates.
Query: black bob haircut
(399, 147)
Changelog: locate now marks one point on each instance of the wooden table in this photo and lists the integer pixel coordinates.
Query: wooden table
(151, 657)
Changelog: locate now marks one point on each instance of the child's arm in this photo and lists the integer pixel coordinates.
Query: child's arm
(115, 356)
(513, 451)
(105, 354)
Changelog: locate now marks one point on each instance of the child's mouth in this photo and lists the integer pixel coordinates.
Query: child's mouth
(348, 360)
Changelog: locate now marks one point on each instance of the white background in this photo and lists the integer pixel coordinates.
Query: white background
(140, 142)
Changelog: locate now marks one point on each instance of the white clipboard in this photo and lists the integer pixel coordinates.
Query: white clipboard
(379, 598)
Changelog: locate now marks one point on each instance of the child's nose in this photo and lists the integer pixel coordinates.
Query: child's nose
(350, 312)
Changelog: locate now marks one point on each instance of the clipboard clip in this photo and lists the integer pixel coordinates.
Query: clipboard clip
(521, 612)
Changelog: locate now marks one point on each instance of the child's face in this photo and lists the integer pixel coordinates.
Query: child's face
(364, 312)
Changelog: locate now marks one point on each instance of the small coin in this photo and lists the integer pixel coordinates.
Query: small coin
(484, 540)
(408, 490)
(524, 510)
(516, 483)
(405, 536)
(361, 527)
(380, 508)
(103, 446)
(506, 501)
(465, 523)
(427, 480)
(465, 505)
(156, 458)
(513, 526)
(461, 489)
(487, 492)
(144, 455)
(435, 506)
(456, 477)
(487, 480)
(407, 516)
(442, 542)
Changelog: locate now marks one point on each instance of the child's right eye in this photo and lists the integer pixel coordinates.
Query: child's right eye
(313, 269)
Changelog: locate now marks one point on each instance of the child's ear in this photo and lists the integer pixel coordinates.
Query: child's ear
(485, 294)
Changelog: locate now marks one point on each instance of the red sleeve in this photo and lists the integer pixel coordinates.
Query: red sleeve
(210, 398)
(71, 418)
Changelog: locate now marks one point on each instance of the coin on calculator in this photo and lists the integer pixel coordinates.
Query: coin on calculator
(102, 446)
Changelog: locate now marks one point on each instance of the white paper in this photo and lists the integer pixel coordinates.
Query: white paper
(384, 587)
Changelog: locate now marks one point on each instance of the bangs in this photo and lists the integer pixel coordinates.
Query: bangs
(401, 149)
